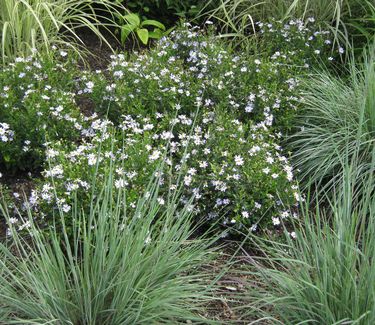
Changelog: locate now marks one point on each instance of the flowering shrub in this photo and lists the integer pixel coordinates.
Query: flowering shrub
(37, 105)
(210, 116)
(192, 69)
(235, 172)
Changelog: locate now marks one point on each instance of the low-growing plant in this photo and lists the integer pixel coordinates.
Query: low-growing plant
(221, 135)
(323, 273)
(121, 267)
(37, 106)
(236, 173)
(257, 88)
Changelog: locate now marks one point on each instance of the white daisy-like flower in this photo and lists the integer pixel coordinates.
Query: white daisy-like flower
(238, 160)
(275, 221)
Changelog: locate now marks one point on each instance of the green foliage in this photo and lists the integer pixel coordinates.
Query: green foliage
(245, 84)
(338, 124)
(325, 275)
(37, 106)
(133, 26)
(26, 25)
(364, 27)
(237, 18)
(121, 267)
(226, 165)
(212, 115)
(167, 10)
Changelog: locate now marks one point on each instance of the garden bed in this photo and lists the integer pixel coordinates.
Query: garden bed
(168, 176)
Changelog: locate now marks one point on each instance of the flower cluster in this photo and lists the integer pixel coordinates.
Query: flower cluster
(6, 134)
(211, 118)
(37, 105)
(190, 69)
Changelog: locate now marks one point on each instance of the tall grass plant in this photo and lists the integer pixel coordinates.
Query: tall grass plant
(237, 18)
(337, 125)
(118, 267)
(326, 274)
(26, 25)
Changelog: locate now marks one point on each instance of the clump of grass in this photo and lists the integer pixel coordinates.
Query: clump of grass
(326, 275)
(337, 125)
(26, 25)
(120, 268)
(237, 18)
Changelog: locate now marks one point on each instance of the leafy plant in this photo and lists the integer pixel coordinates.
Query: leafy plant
(132, 25)
(167, 10)
(121, 268)
(227, 125)
(37, 106)
(26, 25)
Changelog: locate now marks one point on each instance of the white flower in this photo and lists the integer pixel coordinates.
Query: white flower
(13, 220)
(266, 170)
(275, 221)
(89, 85)
(120, 183)
(284, 214)
(245, 214)
(187, 180)
(238, 160)
(66, 208)
(119, 74)
(91, 159)
(6, 134)
(51, 153)
(155, 155)
(249, 108)
(56, 171)
(203, 164)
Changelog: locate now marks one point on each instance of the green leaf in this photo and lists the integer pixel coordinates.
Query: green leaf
(126, 30)
(156, 34)
(132, 19)
(143, 35)
(155, 23)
